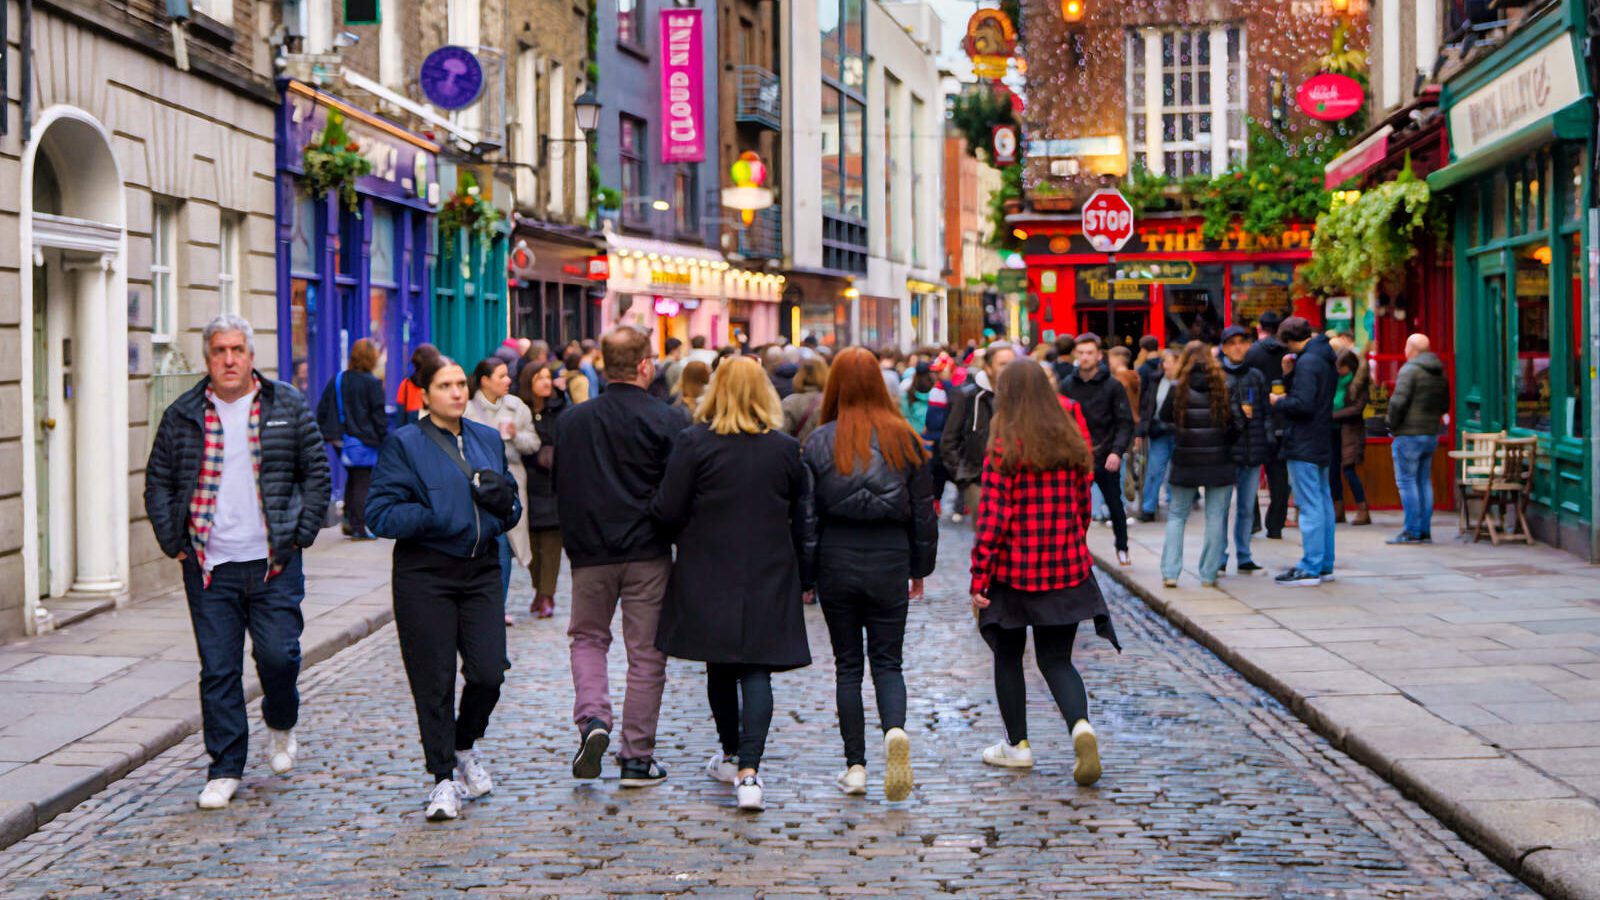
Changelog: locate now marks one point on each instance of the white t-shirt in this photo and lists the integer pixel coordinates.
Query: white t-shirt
(238, 530)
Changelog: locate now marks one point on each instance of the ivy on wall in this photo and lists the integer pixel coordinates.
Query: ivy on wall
(1366, 244)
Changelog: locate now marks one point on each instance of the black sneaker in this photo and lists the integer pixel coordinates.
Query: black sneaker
(592, 751)
(1147, 517)
(1425, 539)
(1249, 567)
(642, 773)
(1406, 537)
(1298, 578)
(1274, 535)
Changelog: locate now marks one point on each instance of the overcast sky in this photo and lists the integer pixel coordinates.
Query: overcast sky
(955, 14)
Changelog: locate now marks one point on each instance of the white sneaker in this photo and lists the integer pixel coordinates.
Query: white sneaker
(956, 517)
(723, 768)
(444, 803)
(282, 748)
(897, 764)
(218, 792)
(1087, 769)
(1008, 756)
(749, 794)
(471, 774)
(853, 781)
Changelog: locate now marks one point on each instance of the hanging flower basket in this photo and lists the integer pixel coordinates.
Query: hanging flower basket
(333, 162)
(467, 209)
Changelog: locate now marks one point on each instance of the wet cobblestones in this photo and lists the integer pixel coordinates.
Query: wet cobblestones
(1211, 787)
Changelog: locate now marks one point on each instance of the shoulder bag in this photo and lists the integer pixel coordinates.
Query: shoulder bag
(489, 489)
(353, 452)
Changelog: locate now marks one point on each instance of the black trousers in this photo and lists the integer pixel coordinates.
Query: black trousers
(1340, 475)
(356, 481)
(444, 608)
(1278, 504)
(741, 704)
(1110, 484)
(864, 593)
(1052, 646)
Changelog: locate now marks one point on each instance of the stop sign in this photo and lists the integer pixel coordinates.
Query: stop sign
(1108, 220)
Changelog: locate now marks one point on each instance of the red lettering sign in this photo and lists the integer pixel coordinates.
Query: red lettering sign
(1329, 97)
(1107, 220)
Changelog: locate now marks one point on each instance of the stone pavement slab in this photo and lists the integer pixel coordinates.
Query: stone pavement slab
(84, 705)
(1467, 674)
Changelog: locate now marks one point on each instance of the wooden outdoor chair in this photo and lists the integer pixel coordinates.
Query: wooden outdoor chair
(1475, 466)
(1508, 490)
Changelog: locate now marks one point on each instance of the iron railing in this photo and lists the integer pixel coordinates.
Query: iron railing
(760, 97)
(763, 237)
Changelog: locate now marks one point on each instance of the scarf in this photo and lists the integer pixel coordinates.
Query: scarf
(203, 503)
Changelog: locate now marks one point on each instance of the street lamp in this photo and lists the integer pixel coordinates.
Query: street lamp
(1072, 10)
(587, 110)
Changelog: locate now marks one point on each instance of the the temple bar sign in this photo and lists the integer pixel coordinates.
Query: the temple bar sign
(1538, 86)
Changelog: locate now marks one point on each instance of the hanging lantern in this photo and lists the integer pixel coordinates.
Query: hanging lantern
(747, 195)
(1072, 10)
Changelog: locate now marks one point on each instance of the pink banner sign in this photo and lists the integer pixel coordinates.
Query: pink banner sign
(683, 136)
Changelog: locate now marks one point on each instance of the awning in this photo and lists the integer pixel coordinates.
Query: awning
(632, 246)
(1572, 122)
(1356, 161)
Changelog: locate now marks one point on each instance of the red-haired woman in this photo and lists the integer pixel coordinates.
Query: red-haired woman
(352, 418)
(876, 537)
(1030, 565)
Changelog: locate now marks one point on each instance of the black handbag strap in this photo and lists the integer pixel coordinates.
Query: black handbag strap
(449, 446)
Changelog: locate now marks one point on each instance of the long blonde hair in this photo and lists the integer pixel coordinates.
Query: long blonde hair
(741, 400)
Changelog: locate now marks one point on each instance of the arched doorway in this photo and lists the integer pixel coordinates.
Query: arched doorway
(75, 428)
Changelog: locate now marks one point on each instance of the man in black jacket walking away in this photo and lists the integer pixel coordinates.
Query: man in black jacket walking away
(966, 430)
(609, 464)
(1249, 391)
(1306, 415)
(1266, 357)
(236, 486)
(1110, 420)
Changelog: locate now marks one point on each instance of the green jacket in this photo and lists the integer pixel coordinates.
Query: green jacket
(1421, 397)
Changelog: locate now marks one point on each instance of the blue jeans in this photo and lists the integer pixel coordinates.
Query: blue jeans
(238, 600)
(1155, 472)
(1311, 493)
(1413, 475)
(1214, 550)
(506, 562)
(1245, 487)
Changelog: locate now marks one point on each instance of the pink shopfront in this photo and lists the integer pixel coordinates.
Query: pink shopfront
(682, 291)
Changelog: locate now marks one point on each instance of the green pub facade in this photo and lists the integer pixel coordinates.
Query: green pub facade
(1521, 122)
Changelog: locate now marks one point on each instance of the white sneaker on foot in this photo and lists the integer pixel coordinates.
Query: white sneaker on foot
(956, 517)
(1087, 769)
(853, 781)
(1009, 756)
(444, 803)
(749, 794)
(723, 768)
(282, 748)
(471, 774)
(218, 792)
(897, 778)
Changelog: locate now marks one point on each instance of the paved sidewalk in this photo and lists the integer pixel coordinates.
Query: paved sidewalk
(82, 706)
(1467, 674)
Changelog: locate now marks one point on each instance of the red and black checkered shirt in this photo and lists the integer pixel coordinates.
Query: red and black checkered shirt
(1030, 530)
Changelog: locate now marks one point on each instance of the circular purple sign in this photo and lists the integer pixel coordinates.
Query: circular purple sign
(451, 77)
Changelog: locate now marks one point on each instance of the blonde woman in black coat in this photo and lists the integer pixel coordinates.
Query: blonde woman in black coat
(736, 500)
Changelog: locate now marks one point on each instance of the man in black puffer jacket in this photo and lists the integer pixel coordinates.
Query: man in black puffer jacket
(1110, 420)
(1306, 414)
(236, 486)
(1248, 389)
(1266, 356)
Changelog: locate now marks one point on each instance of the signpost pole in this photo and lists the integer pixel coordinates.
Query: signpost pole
(1111, 302)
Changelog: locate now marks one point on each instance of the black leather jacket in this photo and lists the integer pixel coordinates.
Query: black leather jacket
(875, 495)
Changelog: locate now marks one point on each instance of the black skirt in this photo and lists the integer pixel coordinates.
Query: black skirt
(1011, 608)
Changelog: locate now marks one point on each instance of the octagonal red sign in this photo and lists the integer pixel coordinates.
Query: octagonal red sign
(1107, 220)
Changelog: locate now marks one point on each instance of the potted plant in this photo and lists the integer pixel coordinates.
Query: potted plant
(332, 161)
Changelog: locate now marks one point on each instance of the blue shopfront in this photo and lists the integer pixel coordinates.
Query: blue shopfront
(358, 265)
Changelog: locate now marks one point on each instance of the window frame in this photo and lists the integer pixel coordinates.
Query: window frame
(230, 263)
(634, 155)
(636, 15)
(1227, 104)
(163, 270)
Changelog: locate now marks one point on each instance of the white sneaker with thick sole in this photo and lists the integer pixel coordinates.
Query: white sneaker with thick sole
(897, 778)
(444, 803)
(853, 781)
(1086, 770)
(471, 774)
(218, 793)
(282, 749)
(723, 768)
(1009, 756)
(749, 794)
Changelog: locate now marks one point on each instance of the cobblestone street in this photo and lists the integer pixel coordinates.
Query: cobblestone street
(1210, 785)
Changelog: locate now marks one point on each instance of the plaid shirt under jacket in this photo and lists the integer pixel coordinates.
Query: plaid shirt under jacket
(1030, 530)
(203, 502)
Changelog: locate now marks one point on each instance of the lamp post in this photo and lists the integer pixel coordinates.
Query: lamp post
(586, 113)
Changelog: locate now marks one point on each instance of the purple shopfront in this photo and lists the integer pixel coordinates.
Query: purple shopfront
(348, 274)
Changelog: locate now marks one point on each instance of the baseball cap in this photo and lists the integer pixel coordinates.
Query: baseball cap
(1233, 331)
(1270, 319)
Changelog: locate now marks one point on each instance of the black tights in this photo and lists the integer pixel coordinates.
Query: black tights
(1052, 644)
(741, 703)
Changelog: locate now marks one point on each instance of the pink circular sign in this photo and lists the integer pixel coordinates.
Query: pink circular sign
(1329, 97)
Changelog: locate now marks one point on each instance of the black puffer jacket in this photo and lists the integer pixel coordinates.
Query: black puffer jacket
(364, 415)
(1105, 410)
(1202, 453)
(541, 511)
(294, 469)
(1244, 383)
(876, 495)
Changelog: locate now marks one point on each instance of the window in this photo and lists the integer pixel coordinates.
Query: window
(228, 262)
(919, 110)
(1186, 92)
(1531, 369)
(632, 146)
(220, 11)
(391, 47)
(1576, 403)
(844, 108)
(164, 271)
(891, 90)
(685, 211)
(526, 148)
(630, 18)
(561, 151)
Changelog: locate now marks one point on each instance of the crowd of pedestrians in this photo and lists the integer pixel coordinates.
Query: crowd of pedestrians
(707, 495)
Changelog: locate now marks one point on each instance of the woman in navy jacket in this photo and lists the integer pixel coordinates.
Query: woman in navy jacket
(446, 574)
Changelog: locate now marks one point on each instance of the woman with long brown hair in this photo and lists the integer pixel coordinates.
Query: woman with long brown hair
(352, 418)
(802, 410)
(1206, 425)
(1030, 564)
(875, 541)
